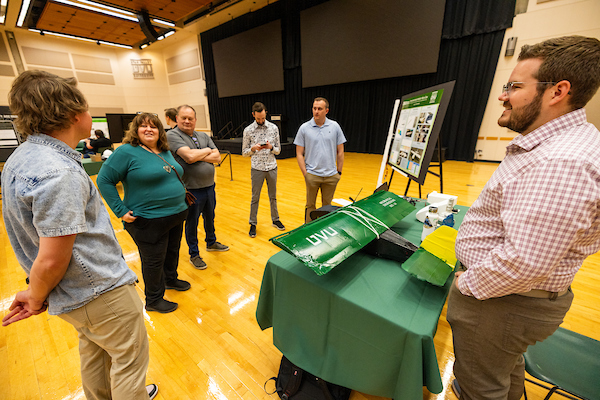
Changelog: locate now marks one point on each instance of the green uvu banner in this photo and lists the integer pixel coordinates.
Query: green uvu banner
(324, 243)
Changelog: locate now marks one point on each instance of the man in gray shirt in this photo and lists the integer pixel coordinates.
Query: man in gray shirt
(196, 153)
(261, 142)
(62, 237)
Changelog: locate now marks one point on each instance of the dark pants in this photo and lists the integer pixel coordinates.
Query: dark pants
(87, 152)
(158, 241)
(490, 337)
(206, 201)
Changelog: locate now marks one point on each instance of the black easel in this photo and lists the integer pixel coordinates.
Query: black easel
(438, 165)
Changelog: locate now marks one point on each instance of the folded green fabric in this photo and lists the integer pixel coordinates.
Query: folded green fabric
(427, 267)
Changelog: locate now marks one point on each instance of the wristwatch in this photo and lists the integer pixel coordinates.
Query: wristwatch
(340, 172)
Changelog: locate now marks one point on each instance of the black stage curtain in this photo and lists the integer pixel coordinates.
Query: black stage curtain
(472, 37)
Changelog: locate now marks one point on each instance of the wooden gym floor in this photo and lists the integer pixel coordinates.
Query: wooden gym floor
(212, 347)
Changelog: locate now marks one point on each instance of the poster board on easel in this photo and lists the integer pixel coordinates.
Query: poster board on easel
(414, 131)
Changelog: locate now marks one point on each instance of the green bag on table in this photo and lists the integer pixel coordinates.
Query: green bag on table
(325, 242)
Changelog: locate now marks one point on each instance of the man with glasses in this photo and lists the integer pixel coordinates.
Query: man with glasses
(196, 153)
(533, 224)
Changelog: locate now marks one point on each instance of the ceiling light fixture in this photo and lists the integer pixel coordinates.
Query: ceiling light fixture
(161, 22)
(3, 4)
(123, 46)
(161, 37)
(99, 5)
(61, 35)
(23, 13)
(117, 13)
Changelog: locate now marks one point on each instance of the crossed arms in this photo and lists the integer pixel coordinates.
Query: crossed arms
(206, 154)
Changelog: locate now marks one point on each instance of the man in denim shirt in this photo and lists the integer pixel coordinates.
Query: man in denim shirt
(63, 239)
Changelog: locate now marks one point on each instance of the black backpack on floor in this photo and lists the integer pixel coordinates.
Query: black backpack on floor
(293, 383)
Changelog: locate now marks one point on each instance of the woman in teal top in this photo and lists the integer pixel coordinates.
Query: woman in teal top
(153, 208)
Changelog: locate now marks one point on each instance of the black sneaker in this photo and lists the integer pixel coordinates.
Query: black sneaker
(162, 306)
(152, 390)
(216, 246)
(279, 225)
(198, 262)
(179, 285)
(252, 232)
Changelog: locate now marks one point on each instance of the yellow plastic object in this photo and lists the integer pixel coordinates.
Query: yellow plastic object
(440, 243)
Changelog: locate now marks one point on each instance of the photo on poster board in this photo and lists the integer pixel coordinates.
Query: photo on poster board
(101, 124)
(416, 123)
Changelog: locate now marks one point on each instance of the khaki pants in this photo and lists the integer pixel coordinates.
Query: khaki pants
(327, 186)
(113, 345)
(490, 337)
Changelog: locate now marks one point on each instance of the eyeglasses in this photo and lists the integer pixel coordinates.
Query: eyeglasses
(509, 87)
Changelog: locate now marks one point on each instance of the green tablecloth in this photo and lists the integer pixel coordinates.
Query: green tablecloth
(367, 325)
(91, 167)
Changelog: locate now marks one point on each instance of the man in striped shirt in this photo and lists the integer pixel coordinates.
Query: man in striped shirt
(533, 224)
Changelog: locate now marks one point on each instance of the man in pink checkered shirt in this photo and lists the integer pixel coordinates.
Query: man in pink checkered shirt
(533, 224)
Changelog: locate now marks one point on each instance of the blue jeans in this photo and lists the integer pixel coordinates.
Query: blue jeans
(206, 201)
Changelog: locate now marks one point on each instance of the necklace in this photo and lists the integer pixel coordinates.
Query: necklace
(167, 167)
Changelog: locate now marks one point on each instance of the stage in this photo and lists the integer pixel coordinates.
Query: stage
(234, 146)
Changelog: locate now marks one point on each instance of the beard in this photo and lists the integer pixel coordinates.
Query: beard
(521, 118)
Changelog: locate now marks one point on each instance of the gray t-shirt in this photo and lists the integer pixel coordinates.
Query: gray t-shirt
(197, 175)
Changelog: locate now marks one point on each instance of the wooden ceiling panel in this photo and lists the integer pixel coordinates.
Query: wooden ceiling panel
(172, 10)
(73, 21)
